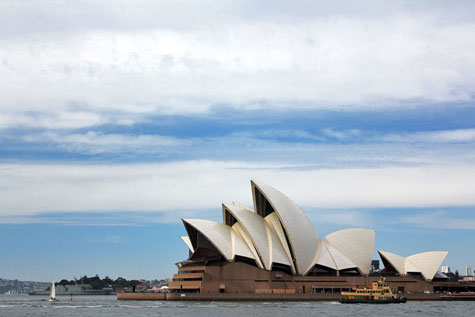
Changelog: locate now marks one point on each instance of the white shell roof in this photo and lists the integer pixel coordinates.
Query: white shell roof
(325, 258)
(334, 256)
(397, 261)
(428, 262)
(301, 233)
(241, 248)
(222, 237)
(247, 238)
(425, 263)
(410, 267)
(188, 243)
(356, 244)
(255, 226)
(341, 261)
(277, 250)
(242, 206)
(273, 222)
(264, 240)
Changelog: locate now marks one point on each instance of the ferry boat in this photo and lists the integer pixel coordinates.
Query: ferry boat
(378, 293)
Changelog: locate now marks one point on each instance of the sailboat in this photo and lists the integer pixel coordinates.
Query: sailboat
(52, 293)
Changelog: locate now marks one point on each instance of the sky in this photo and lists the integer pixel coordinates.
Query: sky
(118, 119)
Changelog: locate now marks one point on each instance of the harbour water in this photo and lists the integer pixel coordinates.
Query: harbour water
(24, 305)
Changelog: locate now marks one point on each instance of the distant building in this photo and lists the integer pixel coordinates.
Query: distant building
(445, 269)
(374, 266)
(141, 287)
(160, 289)
(468, 271)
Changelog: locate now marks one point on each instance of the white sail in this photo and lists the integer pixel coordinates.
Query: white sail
(52, 292)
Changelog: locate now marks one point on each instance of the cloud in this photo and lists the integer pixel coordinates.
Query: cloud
(181, 14)
(299, 149)
(166, 188)
(439, 220)
(444, 136)
(60, 120)
(297, 61)
(98, 143)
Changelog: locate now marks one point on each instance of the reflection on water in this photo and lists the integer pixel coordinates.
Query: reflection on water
(24, 305)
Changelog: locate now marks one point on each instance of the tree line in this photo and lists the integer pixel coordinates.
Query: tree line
(97, 283)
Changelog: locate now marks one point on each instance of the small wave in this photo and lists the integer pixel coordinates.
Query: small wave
(153, 306)
(79, 306)
(129, 306)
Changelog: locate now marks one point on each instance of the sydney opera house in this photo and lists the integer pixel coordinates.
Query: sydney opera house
(275, 248)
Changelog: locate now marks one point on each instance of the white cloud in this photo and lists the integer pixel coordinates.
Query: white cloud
(444, 136)
(336, 60)
(341, 135)
(439, 220)
(314, 150)
(202, 185)
(50, 120)
(97, 143)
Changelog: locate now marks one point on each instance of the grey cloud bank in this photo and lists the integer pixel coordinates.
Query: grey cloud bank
(101, 69)
(70, 68)
(159, 187)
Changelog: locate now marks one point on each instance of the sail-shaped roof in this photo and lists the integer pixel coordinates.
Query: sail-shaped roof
(324, 257)
(346, 249)
(356, 244)
(425, 263)
(299, 230)
(222, 237)
(187, 241)
(397, 262)
(263, 239)
(428, 262)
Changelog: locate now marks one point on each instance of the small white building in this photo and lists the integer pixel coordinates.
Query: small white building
(468, 271)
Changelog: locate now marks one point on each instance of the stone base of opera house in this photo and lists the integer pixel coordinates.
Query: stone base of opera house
(239, 281)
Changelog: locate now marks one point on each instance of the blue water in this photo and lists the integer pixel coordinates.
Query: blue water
(24, 305)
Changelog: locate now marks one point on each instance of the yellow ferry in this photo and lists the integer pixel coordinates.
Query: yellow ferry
(379, 293)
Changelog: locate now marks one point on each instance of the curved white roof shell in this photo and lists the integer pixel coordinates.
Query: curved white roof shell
(425, 263)
(278, 254)
(341, 261)
(263, 239)
(324, 257)
(398, 262)
(356, 244)
(275, 227)
(301, 233)
(248, 240)
(222, 237)
(345, 249)
(187, 241)
(428, 262)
